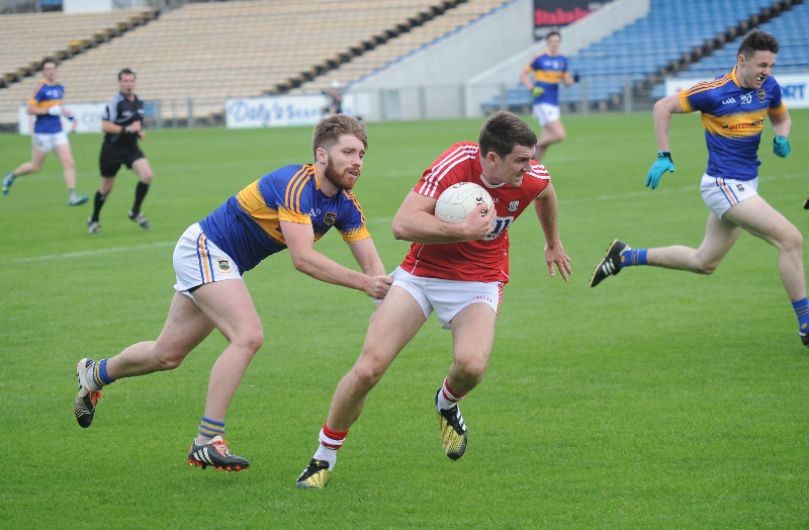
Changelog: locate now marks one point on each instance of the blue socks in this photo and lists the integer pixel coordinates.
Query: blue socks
(209, 428)
(801, 308)
(100, 376)
(633, 256)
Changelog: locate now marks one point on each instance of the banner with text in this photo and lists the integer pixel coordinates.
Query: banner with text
(88, 118)
(549, 14)
(278, 111)
(794, 88)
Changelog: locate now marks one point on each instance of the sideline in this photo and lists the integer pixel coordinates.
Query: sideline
(562, 201)
(85, 253)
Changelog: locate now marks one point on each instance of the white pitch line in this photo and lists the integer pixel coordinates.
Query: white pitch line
(377, 221)
(85, 253)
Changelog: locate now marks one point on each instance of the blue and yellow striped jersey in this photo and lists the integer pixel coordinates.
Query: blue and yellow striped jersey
(733, 117)
(548, 71)
(45, 97)
(247, 226)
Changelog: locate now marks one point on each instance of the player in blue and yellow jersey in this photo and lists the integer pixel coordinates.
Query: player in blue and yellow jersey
(47, 105)
(289, 208)
(734, 108)
(542, 77)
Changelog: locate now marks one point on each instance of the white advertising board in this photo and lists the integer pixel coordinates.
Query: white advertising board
(278, 111)
(88, 116)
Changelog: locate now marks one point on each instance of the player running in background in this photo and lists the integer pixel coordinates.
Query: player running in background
(733, 109)
(123, 124)
(542, 77)
(47, 104)
(291, 207)
(456, 270)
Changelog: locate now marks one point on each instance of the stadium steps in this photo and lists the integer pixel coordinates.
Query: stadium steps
(653, 53)
(788, 26)
(375, 41)
(643, 89)
(79, 42)
(194, 57)
(418, 37)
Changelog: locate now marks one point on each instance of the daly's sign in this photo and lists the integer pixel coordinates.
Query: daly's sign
(278, 111)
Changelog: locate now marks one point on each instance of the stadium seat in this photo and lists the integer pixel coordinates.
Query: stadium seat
(672, 30)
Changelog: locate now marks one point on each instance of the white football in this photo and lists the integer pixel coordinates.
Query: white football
(456, 202)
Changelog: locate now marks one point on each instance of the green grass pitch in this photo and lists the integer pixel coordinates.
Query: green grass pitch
(660, 399)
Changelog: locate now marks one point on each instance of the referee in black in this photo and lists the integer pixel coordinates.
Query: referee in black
(123, 124)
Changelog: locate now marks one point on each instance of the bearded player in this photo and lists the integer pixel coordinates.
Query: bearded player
(290, 208)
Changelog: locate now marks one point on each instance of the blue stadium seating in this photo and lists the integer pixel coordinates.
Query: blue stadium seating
(790, 28)
(671, 29)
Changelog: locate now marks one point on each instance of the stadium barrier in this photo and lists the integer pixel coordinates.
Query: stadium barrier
(404, 103)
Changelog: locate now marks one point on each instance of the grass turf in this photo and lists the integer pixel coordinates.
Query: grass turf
(660, 399)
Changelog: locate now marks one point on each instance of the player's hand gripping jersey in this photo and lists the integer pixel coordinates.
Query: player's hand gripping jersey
(247, 226)
(481, 261)
(733, 118)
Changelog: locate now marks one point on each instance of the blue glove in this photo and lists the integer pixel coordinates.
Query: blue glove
(780, 146)
(537, 91)
(660, 166)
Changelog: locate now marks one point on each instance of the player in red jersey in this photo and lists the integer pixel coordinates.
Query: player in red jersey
(456, 270)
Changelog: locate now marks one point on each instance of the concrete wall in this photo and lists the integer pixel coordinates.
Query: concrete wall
(430, 79)
(86, 6)
(453, 76)
(605, 21)
(98, 6)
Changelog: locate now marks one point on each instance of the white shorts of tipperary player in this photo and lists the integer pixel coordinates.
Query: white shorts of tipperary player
(198, 261)
(721, 194)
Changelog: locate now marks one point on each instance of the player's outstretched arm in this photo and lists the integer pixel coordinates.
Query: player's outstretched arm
(782, 126)
(415, 221)
(546, 206)
(662, 112)
(35, 110)
(300, 240)
(368, 259)
(525, 78)
(71, 116)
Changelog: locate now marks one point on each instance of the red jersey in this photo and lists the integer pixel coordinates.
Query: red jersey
(484, 260)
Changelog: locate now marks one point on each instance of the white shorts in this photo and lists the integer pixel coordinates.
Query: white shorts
(45, 142)
(198, 261)
(721, 194)
(447, 297)
(546, 113)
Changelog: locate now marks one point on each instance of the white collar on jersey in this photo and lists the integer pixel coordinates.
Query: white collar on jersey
(489, 184)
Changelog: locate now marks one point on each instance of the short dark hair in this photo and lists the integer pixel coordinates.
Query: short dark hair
(49, 60)
(553, 33)
(502, 131)
(755, 41)
(329, 130)
(126, 71)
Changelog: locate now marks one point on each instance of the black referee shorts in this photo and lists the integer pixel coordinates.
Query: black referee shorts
(112, 156)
